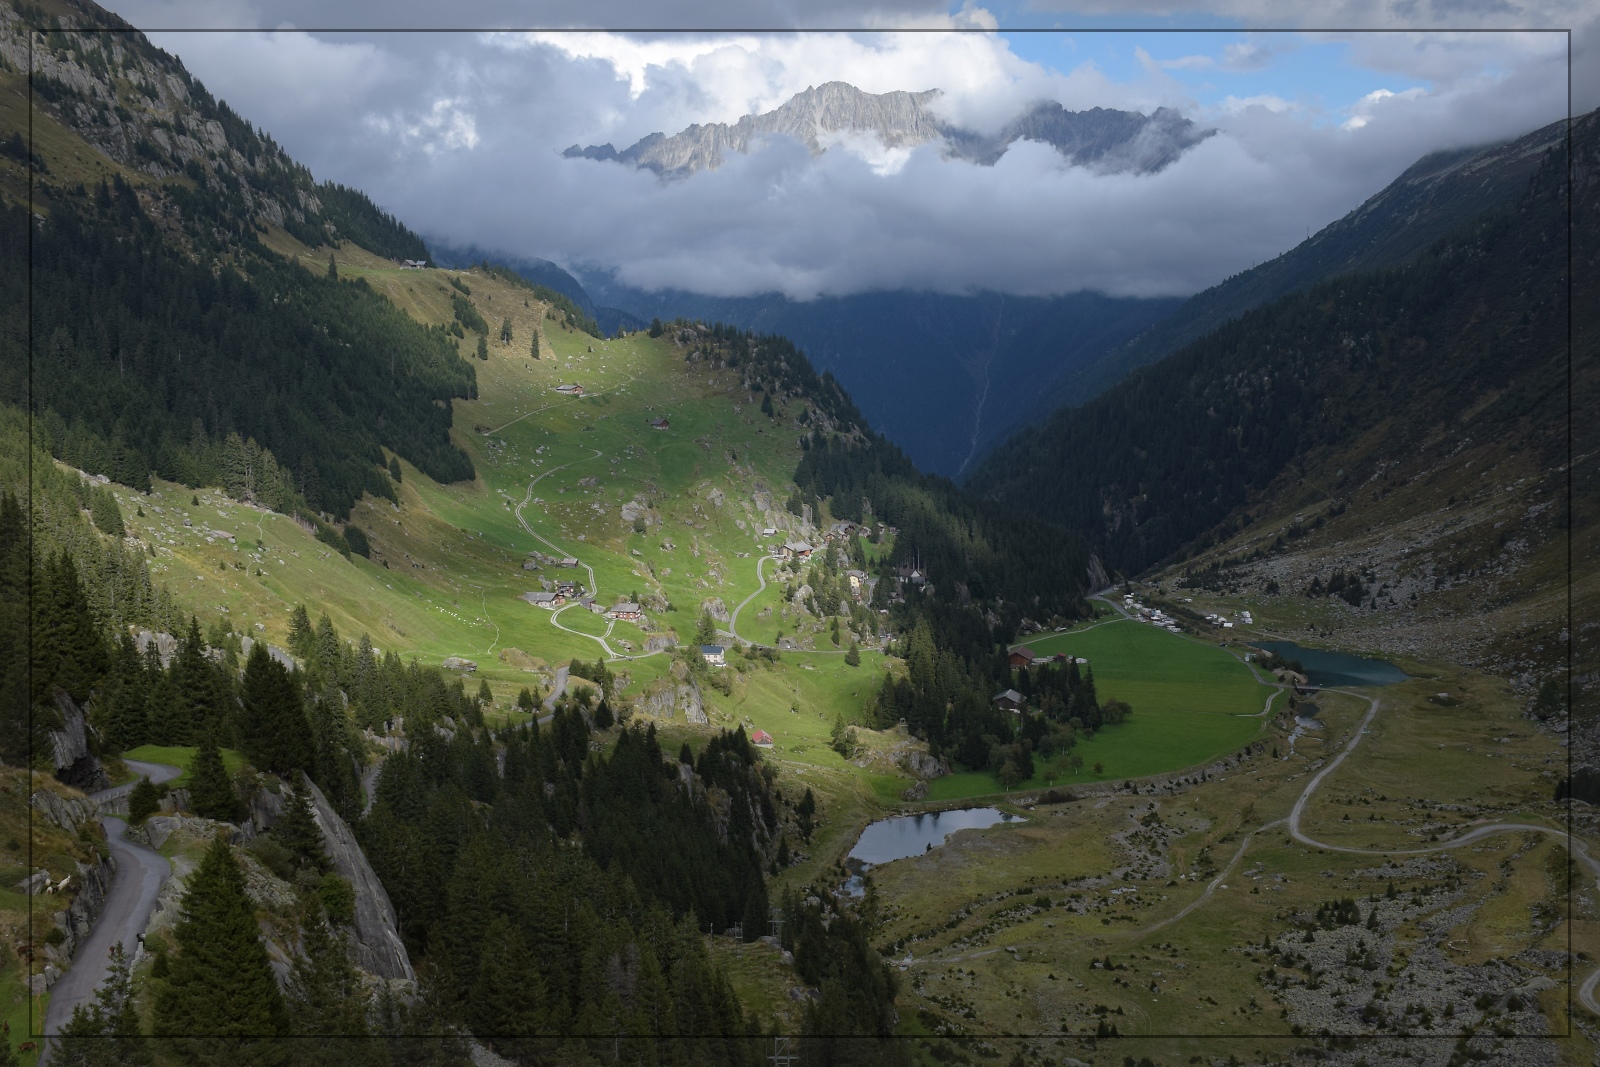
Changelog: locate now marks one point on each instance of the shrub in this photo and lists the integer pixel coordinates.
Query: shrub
(338, 899)
(144, 801)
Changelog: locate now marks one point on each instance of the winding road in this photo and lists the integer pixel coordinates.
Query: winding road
(140, 873)
(1586, 992)
(733, 617)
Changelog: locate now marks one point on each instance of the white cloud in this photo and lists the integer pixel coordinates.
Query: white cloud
(460, 135)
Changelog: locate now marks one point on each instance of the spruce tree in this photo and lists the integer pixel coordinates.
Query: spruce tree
(211, 792)
(297, 830)
(852, 658)
(509, 999)
(273, 731)
(144, 801)
(105, 1033)
(394, 469)
(220, 986)
(325, 998)
(302, 640)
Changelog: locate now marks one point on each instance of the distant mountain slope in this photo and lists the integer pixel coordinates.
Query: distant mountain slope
(1436, 194)
(1109, 141)
(540, 272)
(168, 338)
(945, 377)
(1412, 422)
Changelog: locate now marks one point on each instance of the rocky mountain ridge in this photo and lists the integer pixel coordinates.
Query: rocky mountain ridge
(1105, 140)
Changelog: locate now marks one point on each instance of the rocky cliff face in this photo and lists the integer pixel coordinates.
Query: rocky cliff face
(164, 122)
(69, 749)
(376, 946)
(1105, 140)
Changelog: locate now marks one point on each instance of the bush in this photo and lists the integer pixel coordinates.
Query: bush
(273, 856)
(338, 899)
(144, 801)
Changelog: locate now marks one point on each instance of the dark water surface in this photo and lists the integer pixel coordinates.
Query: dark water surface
(1336, 668)
(911, 835)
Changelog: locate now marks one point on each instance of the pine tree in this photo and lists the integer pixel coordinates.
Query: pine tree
(325, 998)
(505, 331)
(144, 801)
(483, 347)
(394, 469)
(105, 1033)
(105, 513)
(220, 984)
(508, 999)
(273, 729)
(852, 658)
(68, 649)
(211, 792)
(534, 346)
(333, 268)
(297, 830)
(302, 640)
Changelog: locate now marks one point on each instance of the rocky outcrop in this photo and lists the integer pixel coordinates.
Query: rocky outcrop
(376, 946)
(65, 812)
(1104, 140)
(69, 749)
(93, 882)
(714, 607)
(668, 697)
(919, 764)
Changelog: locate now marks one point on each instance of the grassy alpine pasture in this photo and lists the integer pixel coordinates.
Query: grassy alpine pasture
(1191, 702)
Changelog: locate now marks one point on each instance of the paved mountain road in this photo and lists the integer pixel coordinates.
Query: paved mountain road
(140, 873)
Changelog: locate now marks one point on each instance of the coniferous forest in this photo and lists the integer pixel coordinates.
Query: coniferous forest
(283, 385)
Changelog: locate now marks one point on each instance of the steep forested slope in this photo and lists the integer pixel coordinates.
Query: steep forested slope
(161, 325)
(1469, 341)
(1438, 193)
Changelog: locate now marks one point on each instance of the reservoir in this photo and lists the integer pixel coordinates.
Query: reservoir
(912, 835)
(1325, 668)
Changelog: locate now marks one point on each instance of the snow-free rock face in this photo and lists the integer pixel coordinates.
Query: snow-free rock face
(69, 749)
(1105, 140)
(376, 946)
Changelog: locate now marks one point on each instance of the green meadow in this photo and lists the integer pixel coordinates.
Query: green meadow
(1191, 702)
(553, 475)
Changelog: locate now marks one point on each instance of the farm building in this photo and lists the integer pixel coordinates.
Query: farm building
(626, 610)
(1010, 700)
(1022, 657)
(570, 390)
(761, 739)
(716, 655)
(796, 550)
(660, 424)
(545, 600)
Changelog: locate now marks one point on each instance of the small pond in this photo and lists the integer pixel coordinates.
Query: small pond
(1324, 668)
(912, 835)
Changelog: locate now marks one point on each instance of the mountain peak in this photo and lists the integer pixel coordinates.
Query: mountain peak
(1107, 140)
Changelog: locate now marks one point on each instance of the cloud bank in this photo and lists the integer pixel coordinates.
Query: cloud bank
(460, 135)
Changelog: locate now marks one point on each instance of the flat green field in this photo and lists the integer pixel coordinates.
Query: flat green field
(1191, 702)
